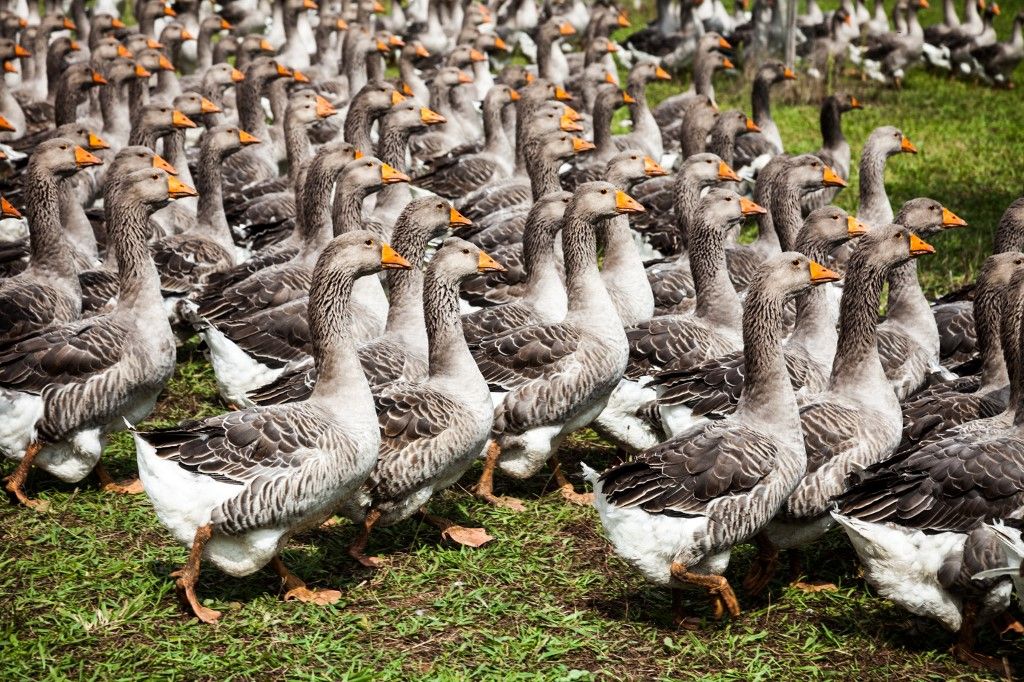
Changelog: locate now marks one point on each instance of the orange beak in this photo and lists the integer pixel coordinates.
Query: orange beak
(514, 96)
(284, 71)
(561, 95)
(180, 120)
(266, 46)
(225, 25)
(390, 260)
(623, 20)
(572, 114)
(309, 4)
(430, 117)
(581, 145)
(169, 12)
(84, 158)
(19, 51)
(98, 78)
(395, 41)
(154, 44)
(455, 218)
(788, 74)
(178, 189)
(75, 47)
(566, 124)
(422, 51)
(357, 155)
(725, 173)
(237, 76)
(465, 77)
(116, 23)
(530, 77)
(8, 210)
(141, 71)
(752, 127)
(830, 179)
(341, 25)
(94, 141)
(500, 44)
(324, 108)
(855, 103)
(69, 25)
(609, 77)
(406, 90)
(477, 56)
(612, 48)
(161, 163)
(247, 139)
(208, 107)
(165, 64)
(727, 63)
(122, 51)
(848, 20)
(566, 29)
(662, 74)
(923, 4)
(627, 204)
(397, 97)
(378, 8)
(628, 98)
(950, 219)
(749, 208)
(382, 47)
(300, 77)
(919, 247)
(487, 264)
(10, 68)
(854, 227)
(652, 168)
(724, 44)
(5, 125)
(820, 274)
(22, 23)
(907, 146)
(390, 176)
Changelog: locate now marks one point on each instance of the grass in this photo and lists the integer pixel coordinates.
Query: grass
(85, 592)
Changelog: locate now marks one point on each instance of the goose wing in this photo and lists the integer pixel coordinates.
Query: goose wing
(27, 306)
(684, 475)
(522, 355)
(266, 288)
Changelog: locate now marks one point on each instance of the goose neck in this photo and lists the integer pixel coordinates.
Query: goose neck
(358, 123)
(339, 372)
(48, 247)
(767, 396)
(831, 125)
(909, 308)
(212, 221)
(988, 311)
(449, 359)
(857, 368)
(760, 100)
(716, 299)
(588, 301)
(297, 148)
(138, 277)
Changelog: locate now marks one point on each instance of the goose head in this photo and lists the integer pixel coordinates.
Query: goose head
(194, 105)
(774, 71)
(926, 217)
(252, 47)
(121, 70)
(458, 260)
(163, 119)
(891, 245)
(81, 135)
(173, 35)
(222, 75)
(887, 141)
(107, 49)
(807, 172)
(556, 146)
(81, 77)
(431, 217)
(55, 21)
(358, 253)
(213, 23)
(790, 274)
(549, 210)
(411, 116)
(502, 94)
(228, 139)
(9, 49)
(154, 188)
(489, 43)
(306, 107)
(735, 122)
(602, 200)
(706, 170)
(62, 157)
(62, 46)
(627, 168)
(517, 76)
(553, 116)
(846, 102)
(153, 60)
(998, 269)
(827, 227)
(135, 158)
(369, 174)
(376, 97)
(464, 56)
(723, 208)
(262, 70)
(647, 72)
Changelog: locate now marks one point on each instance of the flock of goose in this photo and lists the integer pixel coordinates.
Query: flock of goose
(370, 359)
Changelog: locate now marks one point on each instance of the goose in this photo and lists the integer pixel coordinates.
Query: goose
(646, 135)
(431, 431)
(253, 300)
(400, 354)
(754, 150)
(893, 53)
(954, 318)
(917, 523)
(999, 60)
(960, 56)
(728, 127)
(531, 288)
(873, 206)
(295, 463)
(607, 98)
(946, 405)
(676, 510)
(827, 53)
(706, 61)
(47, 293)
(368, 105)
(835, 150)
(541, 397)
(712, 389)
(109, 368)
(672, 280)
(711, 330)
(855, 422)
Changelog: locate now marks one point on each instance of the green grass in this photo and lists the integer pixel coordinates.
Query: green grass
(85, 592)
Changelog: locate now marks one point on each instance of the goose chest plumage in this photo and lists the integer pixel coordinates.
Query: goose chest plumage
(675, 511)
(235, 487)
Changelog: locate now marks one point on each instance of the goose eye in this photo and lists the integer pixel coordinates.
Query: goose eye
(604, 191)
(835, 217)
(796, 261)
(369, 242)
(466, 251)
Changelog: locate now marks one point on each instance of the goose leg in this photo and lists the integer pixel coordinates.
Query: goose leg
(468, 537)
(357, 550)
(295, 588)
(763, 567)
(484, 489)
(188, 575)
(717, 587)
(566, 487)
(796, 570)
(108, 484)
(15, 483)
(963, 650)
